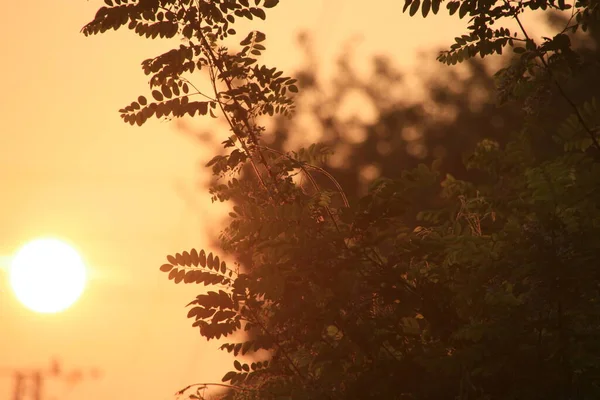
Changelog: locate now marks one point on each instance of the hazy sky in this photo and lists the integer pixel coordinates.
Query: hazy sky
(69, 168)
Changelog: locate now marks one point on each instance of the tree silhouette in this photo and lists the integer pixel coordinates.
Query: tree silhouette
(445, 281)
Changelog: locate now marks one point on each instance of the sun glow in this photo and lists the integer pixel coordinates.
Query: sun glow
(47, 275)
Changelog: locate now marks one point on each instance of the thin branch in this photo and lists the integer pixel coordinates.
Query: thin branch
(222, 385)
(197, 90)
(303, 167)
(589, 131)
(231, 124)
(245, 120)
(573, 13)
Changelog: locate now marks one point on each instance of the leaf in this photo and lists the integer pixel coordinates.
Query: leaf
(202, 257)
(270, 3)
(157, 95)
(237, 365)
(246, 347)
(414, 7)
(187, 260)
(166, 267)
(189, 277)
(259, 37)
(193, 311)
(425, 8)
(166, 91)
(173, 273)
(194, 257)
(142, 100)
(247, 40)
(464, 7)
(530, 45)
(453, 7)
(260, 13)
(180, 275)
(228, 376)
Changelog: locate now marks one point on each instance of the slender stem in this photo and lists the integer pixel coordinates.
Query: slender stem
(233, 128)
(197, 90)
(303, 167)
(204, 385)
(335, 182)
(589, 131)
(244, 118)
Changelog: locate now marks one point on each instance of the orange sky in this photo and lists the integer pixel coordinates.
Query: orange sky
(70, 168)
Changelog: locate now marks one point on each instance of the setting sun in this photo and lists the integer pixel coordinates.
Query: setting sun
(47, 275)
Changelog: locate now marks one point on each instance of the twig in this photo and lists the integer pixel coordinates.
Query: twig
(303, 167)
(589, 131)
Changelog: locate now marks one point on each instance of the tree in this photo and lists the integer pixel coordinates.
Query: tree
(493, 296)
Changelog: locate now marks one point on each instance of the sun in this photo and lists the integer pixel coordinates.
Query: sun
(47, 275)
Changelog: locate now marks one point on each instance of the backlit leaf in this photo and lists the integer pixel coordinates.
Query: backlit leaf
(414, 7)
(157, 95)
(166, 267)
(425, 8)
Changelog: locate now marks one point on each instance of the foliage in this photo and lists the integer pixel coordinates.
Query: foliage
(493, 295)
(457, 112)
